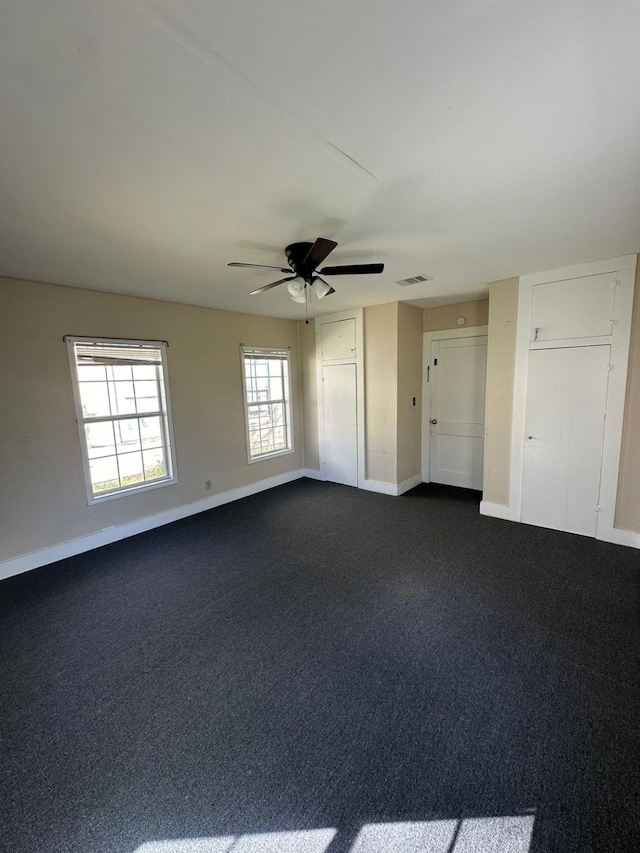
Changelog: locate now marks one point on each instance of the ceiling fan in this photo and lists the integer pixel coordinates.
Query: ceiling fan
(304, 260)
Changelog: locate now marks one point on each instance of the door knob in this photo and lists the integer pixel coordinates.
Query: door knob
(434, 420)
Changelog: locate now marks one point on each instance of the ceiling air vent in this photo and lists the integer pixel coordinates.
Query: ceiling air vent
(415, 279)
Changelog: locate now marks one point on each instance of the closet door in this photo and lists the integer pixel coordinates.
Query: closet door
(337, 342)
(566, 403)
(340, 423)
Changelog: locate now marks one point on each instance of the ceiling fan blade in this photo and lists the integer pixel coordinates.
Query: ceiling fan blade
(269, 286)
(353, 269)
(260, 266)
(318, 252)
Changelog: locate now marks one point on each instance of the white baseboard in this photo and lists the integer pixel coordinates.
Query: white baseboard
(621, 537)
(26, 562)
(52, 554)
(312, 474)
(376, 486)
(616, 536)
(394, 489)
(408, 484)
(497, 511)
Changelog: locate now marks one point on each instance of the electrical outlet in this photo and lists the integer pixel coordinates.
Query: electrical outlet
(207, 485)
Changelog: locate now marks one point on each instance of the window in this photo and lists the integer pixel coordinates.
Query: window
(123, 412)
(267, 394)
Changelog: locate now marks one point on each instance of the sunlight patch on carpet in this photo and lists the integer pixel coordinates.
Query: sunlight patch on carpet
(508, 834)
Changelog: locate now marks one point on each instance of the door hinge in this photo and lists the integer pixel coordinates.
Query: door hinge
(597, 508)
(609, 368)
(427, 373)
(435, 362)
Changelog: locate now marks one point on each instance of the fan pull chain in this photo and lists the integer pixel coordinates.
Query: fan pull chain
(306, 304)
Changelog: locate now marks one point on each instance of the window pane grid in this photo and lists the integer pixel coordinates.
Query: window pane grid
(267, 403)
(129, 468)
(124, 416)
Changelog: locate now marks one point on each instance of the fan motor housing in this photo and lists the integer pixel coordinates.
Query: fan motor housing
(296, 253)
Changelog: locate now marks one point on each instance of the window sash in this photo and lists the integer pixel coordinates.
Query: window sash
(249, 356)
(95, 351)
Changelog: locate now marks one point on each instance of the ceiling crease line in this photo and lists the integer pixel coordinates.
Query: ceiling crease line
(188, 40)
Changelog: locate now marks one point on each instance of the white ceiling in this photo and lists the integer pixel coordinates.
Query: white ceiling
(146, 143)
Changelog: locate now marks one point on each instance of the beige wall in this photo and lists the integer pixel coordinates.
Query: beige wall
(309, 389)
(381, 391)
(475, 313)
(42, 492)
(628, 502)
(501, 353)
(409, 388)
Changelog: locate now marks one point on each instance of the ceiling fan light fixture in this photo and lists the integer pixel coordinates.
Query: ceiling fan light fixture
(296, 290)
(304, 259)
(320, 287)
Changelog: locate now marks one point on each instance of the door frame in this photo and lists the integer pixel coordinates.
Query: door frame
(427, 339)
(623, 269)
(357, 315)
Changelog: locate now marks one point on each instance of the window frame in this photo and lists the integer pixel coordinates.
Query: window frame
(164, 413)
(284, 354)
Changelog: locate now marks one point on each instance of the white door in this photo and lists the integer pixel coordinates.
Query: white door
(564, 431)
(457, 378)
(340, 423)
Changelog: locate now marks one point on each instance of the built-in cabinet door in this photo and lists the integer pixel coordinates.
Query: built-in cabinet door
(573, 309)
(338, 340)
(340, 421)
(564, 431)
(457, 378)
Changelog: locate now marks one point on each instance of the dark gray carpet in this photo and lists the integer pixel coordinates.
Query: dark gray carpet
(318, 656)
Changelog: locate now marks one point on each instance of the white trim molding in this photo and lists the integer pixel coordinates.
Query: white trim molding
(312, 474)
(622, 262)
(71, 547)
(394, 489)
(408, 484)
(623, 537)
(497, 511)
(377, 486)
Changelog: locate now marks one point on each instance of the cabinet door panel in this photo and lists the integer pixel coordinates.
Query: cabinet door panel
(576, 308)
(338, 340)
